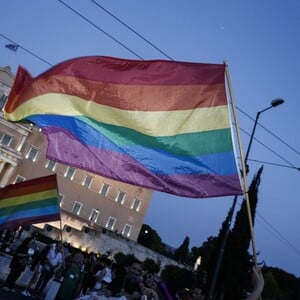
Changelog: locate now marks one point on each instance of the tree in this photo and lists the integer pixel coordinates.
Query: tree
(206, 252)
(151, 266)
(181, 253)
(177, 278)
(271, 287)
(124, 259)
(149, 238)
(215, 257)
(235, 272)
(287, 285)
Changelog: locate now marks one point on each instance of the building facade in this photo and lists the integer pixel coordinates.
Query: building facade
(86, 200)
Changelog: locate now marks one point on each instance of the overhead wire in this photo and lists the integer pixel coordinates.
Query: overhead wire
(26, 50)
(100, 29)
(278, 234)
(271, 150)
(273, 164)
(269, 131)
(132, 30)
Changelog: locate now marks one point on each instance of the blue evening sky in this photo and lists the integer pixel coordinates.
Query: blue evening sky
(259, 40)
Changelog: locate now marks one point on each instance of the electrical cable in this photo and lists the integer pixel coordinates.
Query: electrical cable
(277, 137)
(26, 50)
(273, 164)
(264, 145)
(132, 30)
(100, 29)
(281, 236)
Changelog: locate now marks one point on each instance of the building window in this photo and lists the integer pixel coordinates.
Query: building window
(94, 215)
(70, 173)
(104, 189)
(6, 139)
(111, 223)
(126, 230)
(136, 204)
(87, 181)
(120, 197)
(60, 199)
(32, 154)
(3, 99)
(51, 165)
(19, 179)
(76, 208)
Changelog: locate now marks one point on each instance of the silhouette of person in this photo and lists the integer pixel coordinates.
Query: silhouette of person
(20, 259)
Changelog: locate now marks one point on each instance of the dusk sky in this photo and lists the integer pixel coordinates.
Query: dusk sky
(259, 40)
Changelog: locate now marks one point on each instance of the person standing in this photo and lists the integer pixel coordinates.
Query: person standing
(88, 280)
(36, 267)
(70, 286)
(53, 261)
(20, 260)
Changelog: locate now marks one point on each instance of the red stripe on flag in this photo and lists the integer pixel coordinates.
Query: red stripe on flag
(29, 187)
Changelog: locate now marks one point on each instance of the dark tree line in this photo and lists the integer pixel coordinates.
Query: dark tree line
(233, 280)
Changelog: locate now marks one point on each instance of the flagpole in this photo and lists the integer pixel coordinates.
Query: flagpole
(231, 212)
(244, 172)
(61, 238)
(61, 227)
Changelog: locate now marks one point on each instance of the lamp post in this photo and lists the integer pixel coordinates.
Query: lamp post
(274, 103)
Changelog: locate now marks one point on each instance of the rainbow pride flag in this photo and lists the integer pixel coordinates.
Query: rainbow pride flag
(29, 202)
(158, 124)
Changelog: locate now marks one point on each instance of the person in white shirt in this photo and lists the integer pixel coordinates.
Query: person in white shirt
(54, 260)
(104, 276)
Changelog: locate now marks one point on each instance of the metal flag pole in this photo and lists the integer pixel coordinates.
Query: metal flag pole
(243, 162)
(245, 189)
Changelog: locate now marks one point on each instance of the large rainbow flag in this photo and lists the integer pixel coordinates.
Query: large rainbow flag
(158, 124)
(29, 202)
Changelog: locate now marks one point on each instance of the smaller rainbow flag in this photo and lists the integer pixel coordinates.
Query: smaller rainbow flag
(29, 202)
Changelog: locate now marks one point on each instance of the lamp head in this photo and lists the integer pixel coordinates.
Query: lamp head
(276, 102)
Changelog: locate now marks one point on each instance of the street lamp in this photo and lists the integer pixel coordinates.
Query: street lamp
(274, 103)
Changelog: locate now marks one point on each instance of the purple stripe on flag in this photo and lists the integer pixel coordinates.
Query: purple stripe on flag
(63, 148)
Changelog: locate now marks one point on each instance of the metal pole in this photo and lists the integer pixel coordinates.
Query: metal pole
(275, 103)
(221, 253)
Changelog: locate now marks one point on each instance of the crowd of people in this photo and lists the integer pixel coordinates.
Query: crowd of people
(81, 276)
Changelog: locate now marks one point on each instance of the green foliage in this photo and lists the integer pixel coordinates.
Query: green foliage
(181, 254)
(149, 238)
(151, 266)
(288, 285)
(235, 266)
(178, 278)
(235, 275)
(124, 260)
(271, 287)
